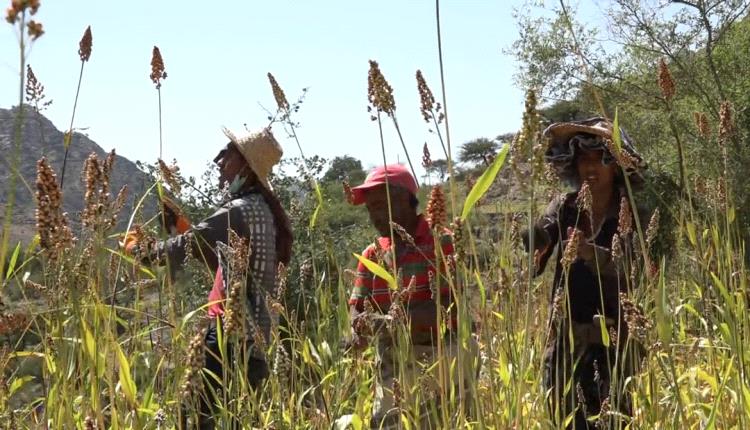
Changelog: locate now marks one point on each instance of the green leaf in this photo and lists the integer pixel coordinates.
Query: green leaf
(18, 383)
(126, 380)
(484, 182)
(616, 137)
(89, 344)
(603, 328)
(378, 270)
(482, 291)
(319, 197)
(13, 259)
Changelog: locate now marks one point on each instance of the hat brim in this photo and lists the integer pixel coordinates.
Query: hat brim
(359, 192)
(563, 132)
(263, 180)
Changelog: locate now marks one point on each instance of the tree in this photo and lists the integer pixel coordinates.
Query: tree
(345, 167)
(478, 150)
(438, 167)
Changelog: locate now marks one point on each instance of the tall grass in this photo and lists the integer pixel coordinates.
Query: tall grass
(76, 356)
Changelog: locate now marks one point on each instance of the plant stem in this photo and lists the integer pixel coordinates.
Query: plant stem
(68, 139)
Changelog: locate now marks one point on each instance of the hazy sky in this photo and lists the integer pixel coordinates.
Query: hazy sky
(217, 55)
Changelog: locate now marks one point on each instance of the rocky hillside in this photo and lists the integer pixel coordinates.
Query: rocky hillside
(40, 138)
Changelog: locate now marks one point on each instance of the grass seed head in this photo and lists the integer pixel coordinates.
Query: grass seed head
(35, 91)
(653, 227)
(278, 94)
(702, 124)
(666, 82)
(726, 121)
(427, 99)
(436, 211)
(426, 158)
(348, 193)
(35, 29)
(584, 199)
(403, 234)
(379, 92)
(571, 249)
(638, 324)
(171, 175)
(52, 223)
(157, 68)
(84, 46)
(625, 222)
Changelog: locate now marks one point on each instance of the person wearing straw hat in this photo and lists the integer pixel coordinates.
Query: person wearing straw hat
(592, 229)
(422, 303)
(255, 214)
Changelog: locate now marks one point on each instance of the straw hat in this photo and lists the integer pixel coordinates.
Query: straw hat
(260, 150)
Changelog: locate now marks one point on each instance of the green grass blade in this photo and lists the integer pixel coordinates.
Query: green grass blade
(484, 182)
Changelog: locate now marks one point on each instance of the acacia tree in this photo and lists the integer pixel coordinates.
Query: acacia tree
(481, 150)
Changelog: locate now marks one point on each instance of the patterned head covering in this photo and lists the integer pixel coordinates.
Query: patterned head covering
(565, 138)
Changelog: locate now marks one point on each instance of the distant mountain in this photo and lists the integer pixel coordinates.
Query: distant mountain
(41, 138)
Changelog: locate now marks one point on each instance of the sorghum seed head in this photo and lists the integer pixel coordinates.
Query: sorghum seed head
(426, 159)
(625, 223)
(157, 68)
(666, 83)
(35, 29)
(84, 46)
(348, 193)
(571, 249)
(379, 92)
(726, 121)
(278, 94)
(435, 210)
(653, 227)
(584, 199)
(170, 175)
(427, 99)
(403, 235)
(702, 124)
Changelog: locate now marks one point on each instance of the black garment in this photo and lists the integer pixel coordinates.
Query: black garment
(591, 294)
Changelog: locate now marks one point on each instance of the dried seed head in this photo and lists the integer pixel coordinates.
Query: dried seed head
(617, 252)
(571, 248)
(84, 46)
(171, 175)
(35, 91)
(726, 120)
(397, 394)
(348, 193)
(625, 222)
(666, 83)
(584, 199)
(702, 124)
(282, 278)
(426, 160)
(558, 305)
(194, 363)
(92, 176)
(379, 92)
(35, 29)
(623, 158)
(157, 68)
(278, 94)
(52, 223)
(436, 212)
(426, 98)
(653, 227)
(403, 235)
(638, 324)
(457, 227)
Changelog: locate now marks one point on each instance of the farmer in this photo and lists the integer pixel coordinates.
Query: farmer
(254, 213)
(423, 295)
(592, 229)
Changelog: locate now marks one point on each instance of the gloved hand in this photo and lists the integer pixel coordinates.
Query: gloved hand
(172, 217)
(130, 240)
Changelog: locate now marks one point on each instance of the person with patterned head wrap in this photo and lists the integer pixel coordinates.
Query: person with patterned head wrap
(589, 352)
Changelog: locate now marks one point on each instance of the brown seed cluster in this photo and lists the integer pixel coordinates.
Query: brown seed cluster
(617, 251)
(427, 101)
(426, 157)
(702, 124)
(96, 180)
(195, 361)
(666, 82)
(51, 222)
(157, 68)
(13, 323)
(638, 324)
(84, 46)
(379, 92)
(403, 234)
(171, 175)
(35, 91)
(457, 228)
(278, 94)
(584, 200)
(625, 220)
(570, 253)
(726, 121)
(436, 211)
(18, 7)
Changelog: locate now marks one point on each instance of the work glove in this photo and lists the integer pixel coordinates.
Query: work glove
(173, 219)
